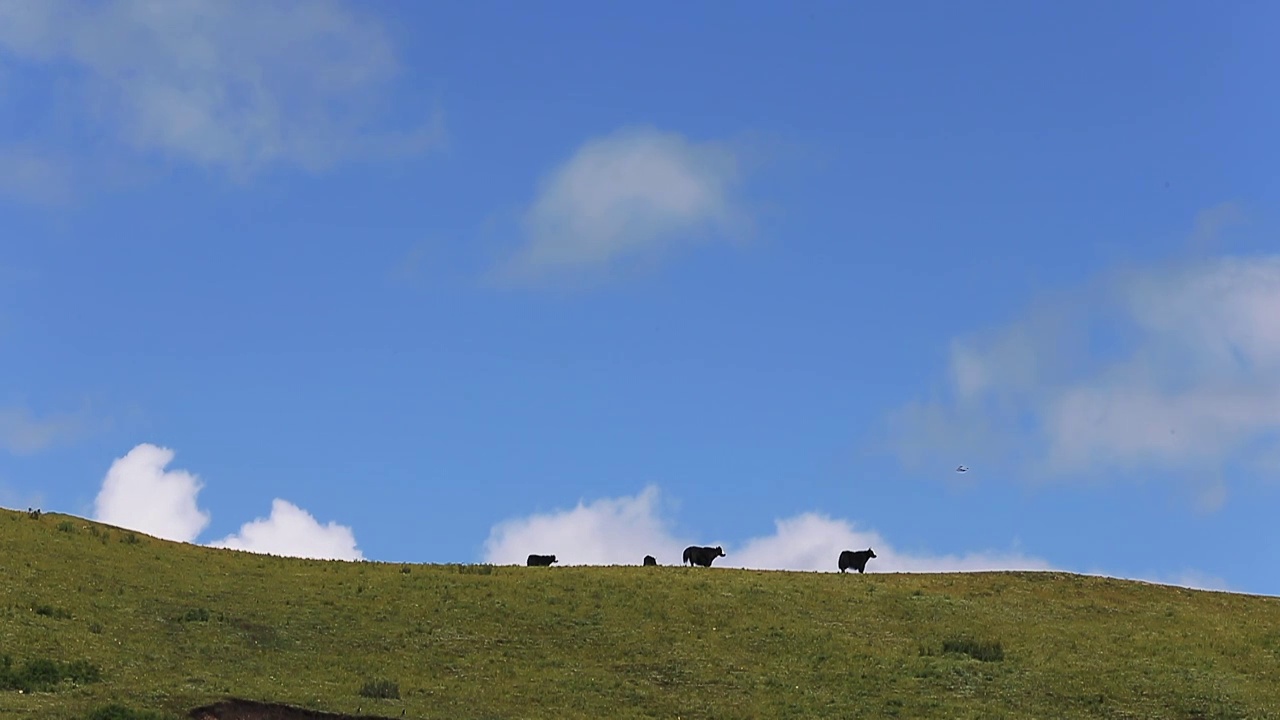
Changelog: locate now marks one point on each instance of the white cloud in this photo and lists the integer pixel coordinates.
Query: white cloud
(292, 531)
(624, 196)
(1172, 367)
(140, 494)
(605, 532)
(622, 531)
(236, 86)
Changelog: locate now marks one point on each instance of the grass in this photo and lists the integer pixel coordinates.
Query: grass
(172, 626)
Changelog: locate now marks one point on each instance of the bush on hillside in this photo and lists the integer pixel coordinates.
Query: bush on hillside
(984, 650)
(384, 689)
(195, 615)
(52, 611)
(44, 675)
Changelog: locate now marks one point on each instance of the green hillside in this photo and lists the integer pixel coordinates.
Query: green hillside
(167, 626)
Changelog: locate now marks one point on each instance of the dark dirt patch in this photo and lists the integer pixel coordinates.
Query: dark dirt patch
(237, 709)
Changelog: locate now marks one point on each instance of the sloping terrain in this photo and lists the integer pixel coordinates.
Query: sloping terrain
(153, 625)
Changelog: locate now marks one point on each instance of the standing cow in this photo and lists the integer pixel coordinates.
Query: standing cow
(856, 560)
(650, 560)
(704, 556)
(540, 560)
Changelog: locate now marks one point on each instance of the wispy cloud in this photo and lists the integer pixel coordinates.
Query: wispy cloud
(1193, 579)
(140, 493)
(621, 531)
(31, 177)
(230, 86)
(625, 197)
(813, 541)
(17, 498)
(23, 433)
(1173, 367)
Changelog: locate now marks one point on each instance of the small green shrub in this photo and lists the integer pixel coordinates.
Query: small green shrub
(51, 611)
(95, 628)
(195, 615)
(405, 569)
(984, 650)
(66, 526)
(384, 689)
(130, 538)
(81, 672)
(44, 675)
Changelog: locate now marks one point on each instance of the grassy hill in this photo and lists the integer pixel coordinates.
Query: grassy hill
(167, 626)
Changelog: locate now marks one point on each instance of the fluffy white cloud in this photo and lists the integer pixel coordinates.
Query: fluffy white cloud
(621, 531)
(605, 532)
(625, 196)
(229, 85)
(1173, 368)
(292, 531)
(140, 494)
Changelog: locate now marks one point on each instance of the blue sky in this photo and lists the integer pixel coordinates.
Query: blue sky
(462, 282)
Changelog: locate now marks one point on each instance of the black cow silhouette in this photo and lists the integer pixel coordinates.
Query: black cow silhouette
(856, 560)
(704, 556)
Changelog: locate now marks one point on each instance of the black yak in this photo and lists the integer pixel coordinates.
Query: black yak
(540, 560)
(650, 560)
(703, 556)
(856, 560)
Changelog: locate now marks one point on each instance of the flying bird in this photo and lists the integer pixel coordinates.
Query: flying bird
(962, 469)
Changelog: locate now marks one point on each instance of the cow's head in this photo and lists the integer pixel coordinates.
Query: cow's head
(551, 558)
(719, 550)
(871, 553)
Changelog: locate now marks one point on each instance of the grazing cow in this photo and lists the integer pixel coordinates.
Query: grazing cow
(703, 556)
(541, 560)
(856, 560)
(650, 560)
